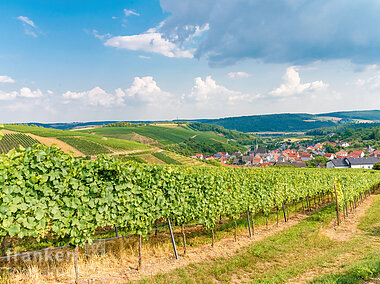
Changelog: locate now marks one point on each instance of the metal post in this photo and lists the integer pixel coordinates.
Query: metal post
(283, 209)
(337, 206)
(249, 224)
(116, 233)
(172, 238)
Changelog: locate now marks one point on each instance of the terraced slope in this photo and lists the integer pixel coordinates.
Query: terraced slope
(14, 140)
(81, 142)
(154, 134)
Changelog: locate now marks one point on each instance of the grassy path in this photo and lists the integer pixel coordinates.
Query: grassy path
(297, 251)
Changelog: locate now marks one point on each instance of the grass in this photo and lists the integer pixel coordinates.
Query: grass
(275, 259)
(164, 135)
(85, 146)
(41, 131)
(364, 269)
(283, 256)
(117, 144)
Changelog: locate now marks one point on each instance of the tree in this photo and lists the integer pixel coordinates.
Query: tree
(376, 166)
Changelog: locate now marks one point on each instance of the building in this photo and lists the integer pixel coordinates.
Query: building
(362, 163)
(352, 163)
(337, 164)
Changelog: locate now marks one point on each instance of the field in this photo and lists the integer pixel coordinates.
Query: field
(71, 202)
(161, 134)
(88, 144)
(11, 141)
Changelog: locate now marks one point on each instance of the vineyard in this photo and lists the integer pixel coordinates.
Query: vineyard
(11, 141)
(47, 192)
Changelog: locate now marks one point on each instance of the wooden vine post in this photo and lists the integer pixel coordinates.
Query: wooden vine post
(235, 237)
(213, 237)
(76, 264)
(337, 206)
(184, 238)
(140, 253)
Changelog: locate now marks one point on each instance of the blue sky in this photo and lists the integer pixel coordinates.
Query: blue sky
(68, 60)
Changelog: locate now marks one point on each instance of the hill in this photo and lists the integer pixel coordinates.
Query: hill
(272, 122)
(183, 138)
(373, 115)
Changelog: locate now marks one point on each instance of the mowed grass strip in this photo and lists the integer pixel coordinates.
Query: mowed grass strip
(278, 258)
(117, 144)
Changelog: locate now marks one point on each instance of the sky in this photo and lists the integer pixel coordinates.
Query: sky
(65, 61)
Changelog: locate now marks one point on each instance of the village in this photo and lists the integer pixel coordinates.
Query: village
(311, 156)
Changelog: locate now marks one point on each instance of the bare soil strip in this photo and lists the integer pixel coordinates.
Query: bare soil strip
(49, 141)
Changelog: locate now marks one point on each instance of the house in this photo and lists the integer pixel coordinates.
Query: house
(199, 156)
(353, 155)
(376, 154)
(247, 159)
(359, 153)
(342, 153)
(330, 156)
(337, 164)
(305, 156)
(362, 163)
(353, 163)
(344, 144)
(257, 160)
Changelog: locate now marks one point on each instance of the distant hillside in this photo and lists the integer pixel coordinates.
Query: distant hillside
(286, 122)
(272, 122)
(365, 114)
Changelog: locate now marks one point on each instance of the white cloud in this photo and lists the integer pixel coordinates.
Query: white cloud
(96, 97)
(371, 83)
(6, 79)
(144, 57)
(28, 93)
(292, 85)
(152, 42)
(29, 26)
(4, 96)
(237, 75)
(27, 21)
(207, 93)
(145, 90)
(99, 36)
(128, 13)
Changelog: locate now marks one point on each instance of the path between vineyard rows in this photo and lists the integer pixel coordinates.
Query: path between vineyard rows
(226, 247)
(154, 265)
(344, 232)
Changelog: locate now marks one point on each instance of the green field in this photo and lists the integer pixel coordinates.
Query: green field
(11, 141)
(163, 135)
(88, 144)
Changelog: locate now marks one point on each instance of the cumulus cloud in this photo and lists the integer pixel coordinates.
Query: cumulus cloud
(278, 30)
(128, 13)
(23, 93)
(6, 79)
(96, 97)
(29, 26)
(237, 75)
(207, 93)
(145, 89)
(151, 42)
(292, 85)
(28, 93)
